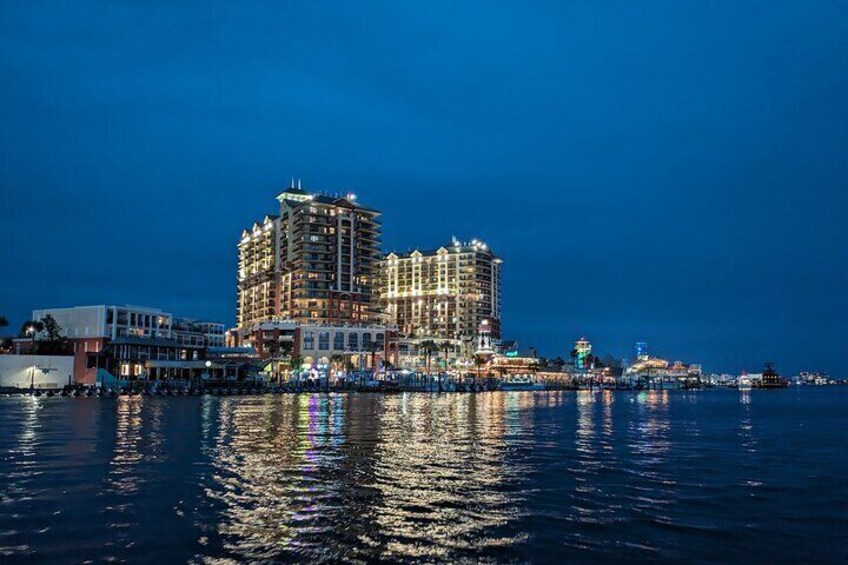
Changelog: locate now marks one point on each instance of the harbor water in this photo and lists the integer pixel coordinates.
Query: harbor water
(718, 475)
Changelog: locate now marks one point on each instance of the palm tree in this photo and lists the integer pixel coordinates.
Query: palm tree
(337, 362)
(285, 352)
(295, 363)
(374, 348)
(273, 350)
(349, 368)
(31, 328)
(3, 322)
(573, 356)
(447, 347)
(429, 346)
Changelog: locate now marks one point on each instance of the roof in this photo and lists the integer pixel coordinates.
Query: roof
(171, 364)
(319, 198)
(292, 190)
(223, 350)
(151, 341)
(451, 248)
(136, 307)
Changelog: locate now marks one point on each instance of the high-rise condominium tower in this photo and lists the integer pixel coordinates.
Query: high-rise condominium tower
(443, 293)
(315, 263)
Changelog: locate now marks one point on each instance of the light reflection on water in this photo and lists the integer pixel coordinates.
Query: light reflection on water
(453, 477)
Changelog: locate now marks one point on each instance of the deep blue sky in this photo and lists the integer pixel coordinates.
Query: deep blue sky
(673, 172)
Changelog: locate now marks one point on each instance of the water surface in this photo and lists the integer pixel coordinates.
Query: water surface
(530, 476)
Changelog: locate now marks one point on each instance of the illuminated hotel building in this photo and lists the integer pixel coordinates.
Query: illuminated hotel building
(258, 272)
(444, 293)
(315, 263)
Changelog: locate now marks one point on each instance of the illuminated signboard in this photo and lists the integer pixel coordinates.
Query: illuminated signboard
(512, 353)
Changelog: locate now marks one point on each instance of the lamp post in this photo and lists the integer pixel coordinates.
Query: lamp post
(31, 331)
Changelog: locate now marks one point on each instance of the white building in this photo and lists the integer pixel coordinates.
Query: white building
(109, 321)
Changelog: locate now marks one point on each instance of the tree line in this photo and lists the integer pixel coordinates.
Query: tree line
(49, 333)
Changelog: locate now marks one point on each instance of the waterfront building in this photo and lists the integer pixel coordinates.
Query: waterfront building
(659, 372)
(269, 338)
(649, 367)
(518, 363)
(319, 345)
(771, 379)
(130, 340)
(90, 328)
(366, 346)
(314, 263)
(197, 332)
(144, 358)
(443, 294)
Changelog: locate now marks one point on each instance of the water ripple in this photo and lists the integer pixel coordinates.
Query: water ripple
(490, 477)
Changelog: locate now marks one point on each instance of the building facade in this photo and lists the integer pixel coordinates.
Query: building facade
(98, 332)
(259, 272)
(139, 358)
(187, 331)
(444, 293)
(109, 321)
(315, 263)
(363, 346)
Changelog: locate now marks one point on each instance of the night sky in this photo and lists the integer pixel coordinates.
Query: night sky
(669, 172)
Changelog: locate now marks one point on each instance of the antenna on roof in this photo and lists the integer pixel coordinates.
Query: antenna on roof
(298, 184)
(292, 183)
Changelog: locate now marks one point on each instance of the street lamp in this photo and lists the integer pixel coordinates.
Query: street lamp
(31, 332)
